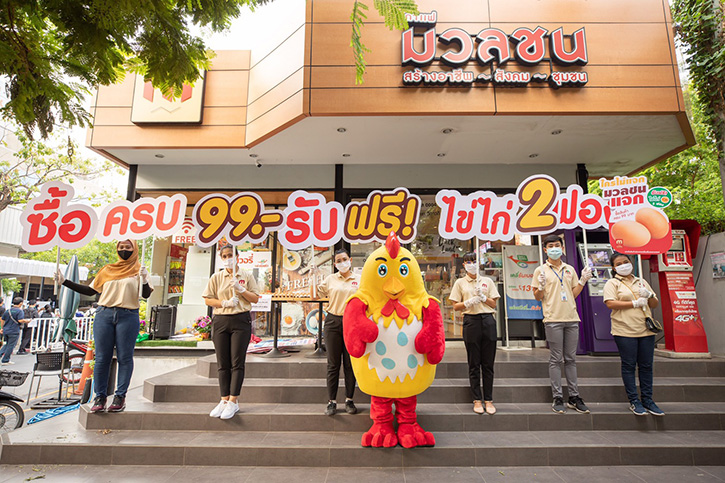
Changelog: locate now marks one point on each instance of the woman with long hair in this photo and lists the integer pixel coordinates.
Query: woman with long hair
(231, 293)
(116, 323)
(631, 301)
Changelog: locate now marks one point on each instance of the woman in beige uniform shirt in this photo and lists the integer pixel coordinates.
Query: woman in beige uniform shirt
(338, 287)
(232, 299)
(631, 299)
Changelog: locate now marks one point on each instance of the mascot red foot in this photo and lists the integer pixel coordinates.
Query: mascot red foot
(394, 333)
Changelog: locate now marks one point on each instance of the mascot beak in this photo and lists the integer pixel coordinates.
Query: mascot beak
(393, 288)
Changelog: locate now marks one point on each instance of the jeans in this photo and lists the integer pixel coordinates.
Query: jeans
(7, 348)
(563, 338)
(637, 353)
(114, 327)
(479, 337)
(231, 335)
(336, 354)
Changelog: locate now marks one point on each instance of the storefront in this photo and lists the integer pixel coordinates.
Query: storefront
(476, 95)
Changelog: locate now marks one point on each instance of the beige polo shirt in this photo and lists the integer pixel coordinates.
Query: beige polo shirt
(561, 279)
(121, 293)
(465, 287)
(220, 287)
(628, 322)
(338, 289)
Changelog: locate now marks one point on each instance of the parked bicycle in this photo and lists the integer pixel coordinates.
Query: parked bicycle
(11, 414)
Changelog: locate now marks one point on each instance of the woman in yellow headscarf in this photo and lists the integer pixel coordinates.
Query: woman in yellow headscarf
(116, 323)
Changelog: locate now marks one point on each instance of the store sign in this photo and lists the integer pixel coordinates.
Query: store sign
(150, 106)
(538, 207)
(455, 47)
(519, 263)
(637, 224)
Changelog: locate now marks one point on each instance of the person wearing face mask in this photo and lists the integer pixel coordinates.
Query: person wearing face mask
(631, 299)
(231, 292)
(476, 296)
(338, 287)
(557, 286)
(116, 322)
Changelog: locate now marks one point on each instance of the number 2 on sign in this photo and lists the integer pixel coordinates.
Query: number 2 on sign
(537, 196)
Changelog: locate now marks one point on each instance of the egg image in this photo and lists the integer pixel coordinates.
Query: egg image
(655, 222)
(631, 233)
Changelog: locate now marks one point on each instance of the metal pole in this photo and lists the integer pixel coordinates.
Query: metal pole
(586, 251)
(57, 269)
(143, 261)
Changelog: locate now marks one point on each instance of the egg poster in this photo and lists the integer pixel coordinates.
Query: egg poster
(637, 223)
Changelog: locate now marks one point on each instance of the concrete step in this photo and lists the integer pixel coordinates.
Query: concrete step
(185, 385)
(63, 441)
(454, 366)
(144, 415)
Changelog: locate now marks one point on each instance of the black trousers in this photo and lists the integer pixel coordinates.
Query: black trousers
(479, 336)
(336, 352)
(25, 341)
(231, 334)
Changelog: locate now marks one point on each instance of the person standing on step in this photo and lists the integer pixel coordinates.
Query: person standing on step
(338, 287)
(231, 292)
(10, 329)
(31, 313)
(631, 301)
(476, 296)
(557, 286)
(116, 324)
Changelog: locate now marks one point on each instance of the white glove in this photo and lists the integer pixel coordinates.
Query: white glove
(586, 276)
(232, 302)
(640, 302)
(239, 287)
(59, 278)
(472, 301)
(643, 292)
(542, 280)
(144, 272)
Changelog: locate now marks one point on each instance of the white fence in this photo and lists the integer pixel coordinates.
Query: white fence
(44, 332)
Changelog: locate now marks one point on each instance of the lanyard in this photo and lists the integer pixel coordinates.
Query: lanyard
(561, 282)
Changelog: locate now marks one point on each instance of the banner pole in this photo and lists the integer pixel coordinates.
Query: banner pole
(143, 260)
(57, 269)
(586, 252)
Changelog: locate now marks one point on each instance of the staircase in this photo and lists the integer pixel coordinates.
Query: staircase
(282, 422)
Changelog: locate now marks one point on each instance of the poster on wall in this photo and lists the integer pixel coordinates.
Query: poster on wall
(519, 263)
(718, 265)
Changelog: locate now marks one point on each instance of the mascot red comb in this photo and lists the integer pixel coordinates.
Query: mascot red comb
(394, 332)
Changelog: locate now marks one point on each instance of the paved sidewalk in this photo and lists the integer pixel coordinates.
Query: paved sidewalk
(192, 474)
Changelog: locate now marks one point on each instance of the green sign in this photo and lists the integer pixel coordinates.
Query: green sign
(659, 197)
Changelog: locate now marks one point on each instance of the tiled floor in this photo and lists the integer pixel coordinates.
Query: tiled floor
(192, 474)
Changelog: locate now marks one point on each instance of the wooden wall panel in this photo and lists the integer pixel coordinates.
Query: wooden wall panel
(577, 11)
(116, 95)
(226, 88)
(281, 92)
(283, 115)
(282, 62)
(338, 11)
(173, 137)
(231, 60)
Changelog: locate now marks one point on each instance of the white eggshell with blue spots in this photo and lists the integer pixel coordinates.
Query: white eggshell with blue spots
(393, 354)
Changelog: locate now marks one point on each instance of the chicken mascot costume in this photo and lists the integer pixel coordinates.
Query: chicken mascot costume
(394, 333)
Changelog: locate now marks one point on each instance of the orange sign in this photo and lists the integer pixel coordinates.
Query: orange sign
(150, 106)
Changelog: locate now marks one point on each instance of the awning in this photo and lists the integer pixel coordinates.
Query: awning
(33, 268)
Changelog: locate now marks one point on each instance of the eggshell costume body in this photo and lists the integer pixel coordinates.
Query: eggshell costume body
(394, 333)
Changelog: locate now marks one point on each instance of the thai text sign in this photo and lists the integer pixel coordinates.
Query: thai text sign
(519, 263)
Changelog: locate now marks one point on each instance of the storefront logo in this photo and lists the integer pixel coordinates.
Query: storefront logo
(151, 106)
(528, 47)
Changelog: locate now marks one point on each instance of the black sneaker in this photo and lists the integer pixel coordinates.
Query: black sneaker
(118, 405)
(350, 407)
(558, 405)
(331, 409)
(652, 408)
(578, 405)
(99, 404)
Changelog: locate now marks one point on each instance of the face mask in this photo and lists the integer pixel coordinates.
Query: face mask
(125, 254)
(554, 253)
(624, 269)
(228, 263)
(343, 267)
(470, 267)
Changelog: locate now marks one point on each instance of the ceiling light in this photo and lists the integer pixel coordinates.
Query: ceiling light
(441, 155)
(254, 155)
(160, 156)
(556, 132)
(346, 155)
(447, 130)
(534, 155)
(341, 129)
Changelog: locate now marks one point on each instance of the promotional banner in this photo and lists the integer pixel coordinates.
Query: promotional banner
(637, 224)
(519, 263)
(688, 333)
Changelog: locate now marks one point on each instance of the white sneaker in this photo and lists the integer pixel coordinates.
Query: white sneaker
(8, 363)
(230, 409)
(217, 411)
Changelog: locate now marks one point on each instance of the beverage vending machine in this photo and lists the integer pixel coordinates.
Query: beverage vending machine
(682, 323)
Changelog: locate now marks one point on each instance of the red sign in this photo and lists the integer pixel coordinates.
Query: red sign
(684, 331)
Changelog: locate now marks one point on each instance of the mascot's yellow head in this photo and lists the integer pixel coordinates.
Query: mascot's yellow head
(390, 278)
